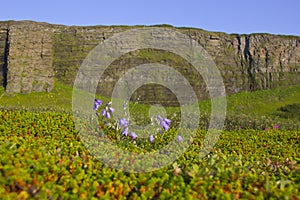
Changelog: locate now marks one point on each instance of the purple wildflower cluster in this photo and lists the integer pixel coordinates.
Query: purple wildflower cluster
(275, 127)
(164, 122)
(106, 111)
(124, 123)
(97, 104)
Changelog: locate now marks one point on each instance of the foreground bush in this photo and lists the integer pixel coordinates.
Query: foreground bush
(42, 158)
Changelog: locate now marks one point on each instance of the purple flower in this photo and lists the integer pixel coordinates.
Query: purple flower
(164, 125)
(276, 127)
(133, 135)
(97, 103)
(107, 110)
(125, 131)
(105, 113)
(179, 138)
(164, 122)
(151, 138)
(159, 118)
(168, 121)
(123, 122)
(111, 109)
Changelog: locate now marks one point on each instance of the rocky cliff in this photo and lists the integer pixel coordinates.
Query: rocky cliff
(33, 55)
(26, 57)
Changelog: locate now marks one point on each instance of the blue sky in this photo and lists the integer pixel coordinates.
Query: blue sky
(230, 16)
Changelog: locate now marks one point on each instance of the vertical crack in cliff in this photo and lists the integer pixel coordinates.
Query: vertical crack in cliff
(42, 43)
(268, 79)
(5, 63)
(249, 61)
(239, 61)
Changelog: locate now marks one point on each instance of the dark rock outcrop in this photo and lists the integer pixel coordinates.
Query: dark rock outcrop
(33, 55)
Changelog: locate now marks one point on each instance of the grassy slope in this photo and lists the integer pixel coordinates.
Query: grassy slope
(263, 102)
(57, 100)
(259, 103)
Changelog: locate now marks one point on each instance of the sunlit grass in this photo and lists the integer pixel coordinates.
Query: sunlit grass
(258, 103)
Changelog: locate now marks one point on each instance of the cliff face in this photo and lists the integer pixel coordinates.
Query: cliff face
(256, 61)
(26, 57)
(33, 54)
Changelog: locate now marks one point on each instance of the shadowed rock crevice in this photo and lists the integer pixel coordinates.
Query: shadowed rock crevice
(5, 61)
(249, 63)
(4, 46)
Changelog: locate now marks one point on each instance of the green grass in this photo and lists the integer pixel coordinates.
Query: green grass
(252, 104)
(289, 111)
(59, 99)
(258, 103)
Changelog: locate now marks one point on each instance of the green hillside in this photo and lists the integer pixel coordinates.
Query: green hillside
(279, 104)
